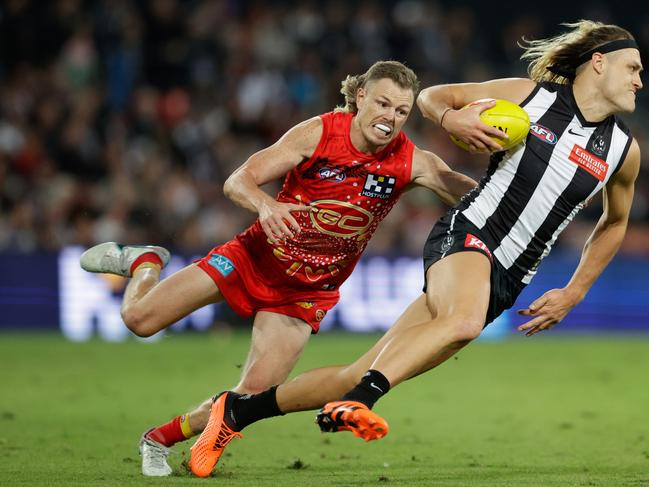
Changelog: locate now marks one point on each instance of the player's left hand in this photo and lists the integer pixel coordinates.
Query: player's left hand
(548, 310)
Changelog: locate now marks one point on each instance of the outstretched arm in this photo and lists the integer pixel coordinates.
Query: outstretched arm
(600, 248)
(431, 172)
(243, 186)
(442, 104)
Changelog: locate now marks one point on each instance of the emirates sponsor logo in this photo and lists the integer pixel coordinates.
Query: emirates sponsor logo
(589, 162)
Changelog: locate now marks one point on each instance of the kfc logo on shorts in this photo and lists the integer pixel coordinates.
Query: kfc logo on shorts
(474, 242)
(222, 264)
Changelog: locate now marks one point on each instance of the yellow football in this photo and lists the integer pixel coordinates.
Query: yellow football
(505, 116)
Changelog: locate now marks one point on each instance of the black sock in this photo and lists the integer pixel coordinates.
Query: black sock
(370, 389)
(245, 409)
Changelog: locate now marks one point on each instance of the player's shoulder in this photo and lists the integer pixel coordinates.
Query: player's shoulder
(622, 125)
(306, 134)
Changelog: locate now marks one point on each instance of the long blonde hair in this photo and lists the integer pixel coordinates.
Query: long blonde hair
(562, 52)
(394, 70)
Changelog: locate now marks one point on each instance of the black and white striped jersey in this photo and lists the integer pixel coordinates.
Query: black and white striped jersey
(533, 191)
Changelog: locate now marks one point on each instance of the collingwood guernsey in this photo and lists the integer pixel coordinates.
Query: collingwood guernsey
(533, 191)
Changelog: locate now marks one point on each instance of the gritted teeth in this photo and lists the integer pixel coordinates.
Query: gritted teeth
(383, 128)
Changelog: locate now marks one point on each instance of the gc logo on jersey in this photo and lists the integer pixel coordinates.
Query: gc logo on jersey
(339, 218)
(377, 186)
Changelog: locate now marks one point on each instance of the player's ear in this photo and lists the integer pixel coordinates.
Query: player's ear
(360, 97)
(598, 61)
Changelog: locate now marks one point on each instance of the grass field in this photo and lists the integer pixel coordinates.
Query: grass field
(525, 412)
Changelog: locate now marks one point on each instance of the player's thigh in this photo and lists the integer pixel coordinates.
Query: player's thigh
(416, 313)
(276, 345)
(459, 286)
(180, 294)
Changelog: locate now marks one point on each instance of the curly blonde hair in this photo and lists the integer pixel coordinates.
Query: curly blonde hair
(562, 52)
(394, 70)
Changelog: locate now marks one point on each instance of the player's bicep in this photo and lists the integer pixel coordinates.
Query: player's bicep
(295, 146)
(430, 171)
(513, 89)
(618, 194)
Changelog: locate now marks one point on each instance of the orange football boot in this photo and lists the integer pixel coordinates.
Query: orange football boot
(209, 447)
(352, 416)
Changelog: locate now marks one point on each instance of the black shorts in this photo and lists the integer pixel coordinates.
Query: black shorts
(454, 233)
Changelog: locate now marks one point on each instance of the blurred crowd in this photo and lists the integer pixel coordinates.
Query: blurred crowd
(121, 119)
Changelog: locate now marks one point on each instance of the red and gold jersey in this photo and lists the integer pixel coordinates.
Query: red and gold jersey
(351, 193)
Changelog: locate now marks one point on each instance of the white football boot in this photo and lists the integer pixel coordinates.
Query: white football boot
(154, 458)
(113, 258)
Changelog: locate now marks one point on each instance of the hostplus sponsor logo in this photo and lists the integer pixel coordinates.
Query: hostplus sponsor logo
(543, 133)
(378, 186)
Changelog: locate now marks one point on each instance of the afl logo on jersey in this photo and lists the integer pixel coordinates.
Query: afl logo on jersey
(332, 174)
(543, 133)
(341, 219)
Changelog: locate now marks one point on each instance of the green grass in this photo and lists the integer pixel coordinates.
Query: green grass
(525, 412)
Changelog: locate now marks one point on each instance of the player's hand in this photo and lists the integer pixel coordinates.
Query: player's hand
(277, 222)
(548, 310)
(465, 124)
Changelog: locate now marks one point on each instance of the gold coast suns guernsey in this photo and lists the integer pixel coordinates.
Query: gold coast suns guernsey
(351, 192)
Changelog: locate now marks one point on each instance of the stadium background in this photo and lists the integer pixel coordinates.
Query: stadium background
(120, 120)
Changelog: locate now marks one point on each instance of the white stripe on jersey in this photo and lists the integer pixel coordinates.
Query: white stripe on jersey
(564, 224)
(548, 246)
(487, 201)
(539, 104)
(554, 181)
(618, 143)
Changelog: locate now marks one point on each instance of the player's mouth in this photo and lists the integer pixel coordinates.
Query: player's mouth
(382, 129)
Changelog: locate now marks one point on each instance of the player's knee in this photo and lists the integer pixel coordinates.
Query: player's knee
(137, 321)
(466, 330)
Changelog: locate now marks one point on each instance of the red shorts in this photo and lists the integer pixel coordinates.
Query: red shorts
(248, 291)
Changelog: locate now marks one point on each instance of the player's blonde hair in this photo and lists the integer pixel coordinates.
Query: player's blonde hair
(394, 70)
(562, 52)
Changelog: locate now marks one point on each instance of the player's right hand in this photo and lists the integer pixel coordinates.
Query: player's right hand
(466, 125)
(278, 223)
